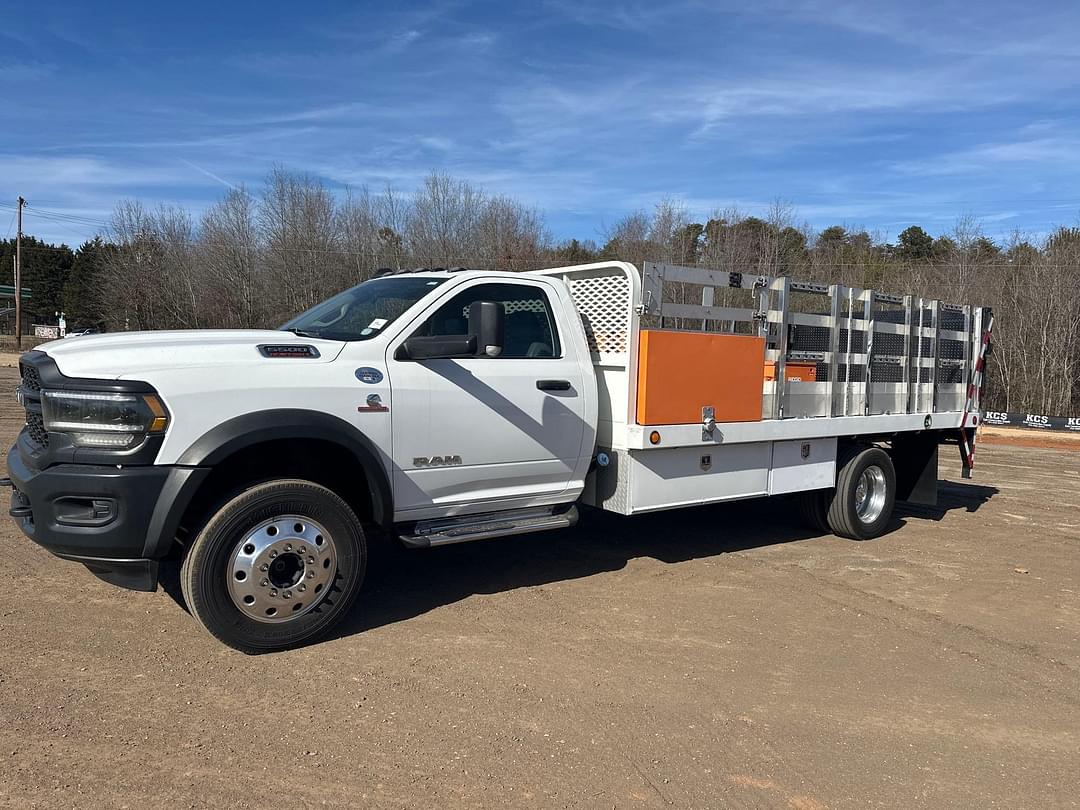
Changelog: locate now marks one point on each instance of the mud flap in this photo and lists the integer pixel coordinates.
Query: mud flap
(135, 575)
(915, 457)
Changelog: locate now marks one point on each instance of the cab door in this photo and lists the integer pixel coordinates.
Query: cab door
(479, 432)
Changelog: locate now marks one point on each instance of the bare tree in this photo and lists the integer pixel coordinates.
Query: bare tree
(303, 255)
(230, 253)
(511, 234)
(153, 277)
(371, 228)
(444, 217)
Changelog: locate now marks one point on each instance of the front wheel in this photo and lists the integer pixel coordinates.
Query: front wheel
(862, 503)
(276, 566)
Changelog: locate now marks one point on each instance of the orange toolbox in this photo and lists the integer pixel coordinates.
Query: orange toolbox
(679, 373)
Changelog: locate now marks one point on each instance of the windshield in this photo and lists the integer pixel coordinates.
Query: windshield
(364, 311)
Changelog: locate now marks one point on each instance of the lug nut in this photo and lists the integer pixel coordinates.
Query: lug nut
(265, 582)
(302, 550)
(301, 587)
(287, 594)
(288, 546)
(264, 567)
(273, 591)
(311, 575)
(311, 560)
(273, 554)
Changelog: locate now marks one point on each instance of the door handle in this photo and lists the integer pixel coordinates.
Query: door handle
(553, 385)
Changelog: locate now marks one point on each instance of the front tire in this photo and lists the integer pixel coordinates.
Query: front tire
(862, 503)
(276, 566)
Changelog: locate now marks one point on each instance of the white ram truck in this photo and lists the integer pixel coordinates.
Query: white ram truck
(446, 406)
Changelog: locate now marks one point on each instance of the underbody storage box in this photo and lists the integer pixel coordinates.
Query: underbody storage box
(679, 373)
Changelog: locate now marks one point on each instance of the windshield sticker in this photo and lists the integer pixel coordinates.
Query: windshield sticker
(378, 323)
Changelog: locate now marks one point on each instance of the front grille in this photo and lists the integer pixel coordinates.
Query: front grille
(31, 387)
(35, 426)
(31, 380)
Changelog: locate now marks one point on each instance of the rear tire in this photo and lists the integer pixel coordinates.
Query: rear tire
(276, 566)
(862, 503)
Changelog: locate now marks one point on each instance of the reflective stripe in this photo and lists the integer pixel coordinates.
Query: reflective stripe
(973, 386)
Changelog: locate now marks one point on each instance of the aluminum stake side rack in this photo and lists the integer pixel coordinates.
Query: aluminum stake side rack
(847, 365)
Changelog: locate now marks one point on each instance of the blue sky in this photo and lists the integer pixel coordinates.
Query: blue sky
(877, 115)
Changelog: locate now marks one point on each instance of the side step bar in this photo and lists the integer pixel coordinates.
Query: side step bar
(444, 531)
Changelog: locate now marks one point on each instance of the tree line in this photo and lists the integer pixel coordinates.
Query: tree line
(253, 260)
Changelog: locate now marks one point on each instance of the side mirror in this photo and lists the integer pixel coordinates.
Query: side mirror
(432, 347)
(487, 324)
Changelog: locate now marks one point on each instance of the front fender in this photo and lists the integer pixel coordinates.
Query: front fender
(250, 429)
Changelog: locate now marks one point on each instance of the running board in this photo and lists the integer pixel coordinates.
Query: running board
(444, 531)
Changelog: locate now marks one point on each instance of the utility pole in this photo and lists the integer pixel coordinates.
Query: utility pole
(18, 280)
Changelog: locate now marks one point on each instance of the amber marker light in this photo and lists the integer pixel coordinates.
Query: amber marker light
(161, 417)
(654, 437)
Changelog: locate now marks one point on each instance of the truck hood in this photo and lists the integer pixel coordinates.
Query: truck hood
(128, 354)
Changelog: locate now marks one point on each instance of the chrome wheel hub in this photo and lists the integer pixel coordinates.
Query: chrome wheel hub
(281, 569)
(870, 494)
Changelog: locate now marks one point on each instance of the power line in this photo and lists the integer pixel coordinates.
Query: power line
(60, 215)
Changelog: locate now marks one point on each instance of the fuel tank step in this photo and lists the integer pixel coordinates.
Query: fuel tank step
(444, 531)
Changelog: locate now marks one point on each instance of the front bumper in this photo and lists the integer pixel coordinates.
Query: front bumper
(117, 521)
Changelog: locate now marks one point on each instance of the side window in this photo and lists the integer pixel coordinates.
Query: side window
(530, 323)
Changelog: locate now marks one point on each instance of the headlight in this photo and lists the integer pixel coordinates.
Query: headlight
(102, 420)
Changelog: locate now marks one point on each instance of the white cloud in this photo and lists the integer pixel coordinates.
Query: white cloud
(77, 172)
(1063, 152)
(25, 71)
(402, 40)
(625, 15)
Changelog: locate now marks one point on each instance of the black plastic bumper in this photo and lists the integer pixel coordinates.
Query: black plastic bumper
(117, 521)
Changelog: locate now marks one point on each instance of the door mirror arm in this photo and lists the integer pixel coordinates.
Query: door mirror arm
(487, 323)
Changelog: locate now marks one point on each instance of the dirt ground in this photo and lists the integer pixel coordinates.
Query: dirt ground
(721, 656)
(1030, 437)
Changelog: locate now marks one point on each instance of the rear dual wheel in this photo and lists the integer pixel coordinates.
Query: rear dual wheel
(276, 566)
(860, 506)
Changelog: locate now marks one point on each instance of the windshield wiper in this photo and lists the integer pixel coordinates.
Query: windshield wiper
(302, 332)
